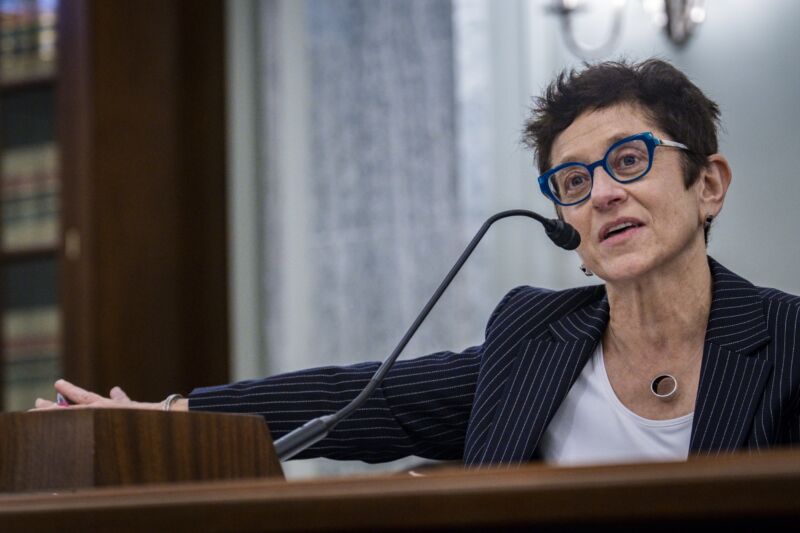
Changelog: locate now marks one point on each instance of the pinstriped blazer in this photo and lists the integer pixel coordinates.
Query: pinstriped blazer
(492, 403)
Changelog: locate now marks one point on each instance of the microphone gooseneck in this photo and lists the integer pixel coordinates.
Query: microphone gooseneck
(297, 440)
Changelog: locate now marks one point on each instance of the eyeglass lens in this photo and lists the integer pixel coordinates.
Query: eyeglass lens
(627, 162)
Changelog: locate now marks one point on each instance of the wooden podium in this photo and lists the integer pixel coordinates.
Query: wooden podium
(741, 492)
(117, 470)
(81, 448)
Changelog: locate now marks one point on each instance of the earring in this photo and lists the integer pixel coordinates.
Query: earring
(586, 271)
(709, 220)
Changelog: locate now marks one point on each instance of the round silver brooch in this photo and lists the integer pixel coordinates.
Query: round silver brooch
(664, 387)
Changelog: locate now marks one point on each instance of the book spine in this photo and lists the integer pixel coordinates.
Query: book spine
(27, 38)
(30, 198)
(31, 333)
(31, 341)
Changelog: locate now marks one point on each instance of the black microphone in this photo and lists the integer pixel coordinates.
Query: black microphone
(294, 442)
(562, 234)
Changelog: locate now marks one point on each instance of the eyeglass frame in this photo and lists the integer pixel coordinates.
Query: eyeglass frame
(650, 140)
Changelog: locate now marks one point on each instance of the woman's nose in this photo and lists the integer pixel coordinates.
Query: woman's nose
(606, 191)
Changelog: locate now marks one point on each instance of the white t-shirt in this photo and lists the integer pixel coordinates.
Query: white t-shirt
(593, 426)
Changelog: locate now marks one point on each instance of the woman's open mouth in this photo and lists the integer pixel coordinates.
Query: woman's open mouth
(619, 230)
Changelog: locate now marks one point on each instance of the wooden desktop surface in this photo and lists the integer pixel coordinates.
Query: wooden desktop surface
(738, 491)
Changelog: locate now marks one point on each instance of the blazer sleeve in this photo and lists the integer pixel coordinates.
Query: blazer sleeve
(422, 407)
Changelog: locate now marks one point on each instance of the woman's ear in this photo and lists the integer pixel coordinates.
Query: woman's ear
(713, 183)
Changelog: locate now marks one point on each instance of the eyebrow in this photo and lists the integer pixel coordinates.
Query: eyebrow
(572, 158)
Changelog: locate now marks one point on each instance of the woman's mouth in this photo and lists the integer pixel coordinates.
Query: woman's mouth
(619, 230)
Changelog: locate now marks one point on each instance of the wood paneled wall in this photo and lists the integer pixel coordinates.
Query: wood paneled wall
(142, 133)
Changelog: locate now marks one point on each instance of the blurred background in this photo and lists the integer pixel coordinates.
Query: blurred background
(195, 192)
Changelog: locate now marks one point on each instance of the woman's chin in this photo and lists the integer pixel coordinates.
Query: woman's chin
(624, 269)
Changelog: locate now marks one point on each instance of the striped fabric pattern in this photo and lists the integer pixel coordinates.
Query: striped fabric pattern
(490, 404)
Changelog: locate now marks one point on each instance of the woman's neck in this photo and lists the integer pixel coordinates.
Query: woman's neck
(662, 312)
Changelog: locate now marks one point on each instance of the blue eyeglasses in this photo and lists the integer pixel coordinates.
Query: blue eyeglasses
(626, 160)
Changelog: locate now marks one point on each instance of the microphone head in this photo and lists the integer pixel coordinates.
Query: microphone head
(562, 234)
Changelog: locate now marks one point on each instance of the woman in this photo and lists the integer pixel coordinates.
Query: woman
(673, 355)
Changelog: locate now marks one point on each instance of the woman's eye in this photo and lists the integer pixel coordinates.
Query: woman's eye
(575, 181)
(629, 160)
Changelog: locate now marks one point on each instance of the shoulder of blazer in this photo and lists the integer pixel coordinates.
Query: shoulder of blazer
(782, 312)
(775, 296)
(743, 317)
(534, 308)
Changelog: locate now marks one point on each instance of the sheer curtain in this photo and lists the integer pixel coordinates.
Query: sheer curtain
(389, 132)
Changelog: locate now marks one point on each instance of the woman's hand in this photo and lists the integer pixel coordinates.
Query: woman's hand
(81, 398)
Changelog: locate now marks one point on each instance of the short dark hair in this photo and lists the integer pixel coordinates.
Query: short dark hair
(676, 105)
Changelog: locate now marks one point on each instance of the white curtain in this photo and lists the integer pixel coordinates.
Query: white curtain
(390, 131)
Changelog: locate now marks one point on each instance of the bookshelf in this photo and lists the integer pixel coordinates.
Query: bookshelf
(29, 201)
(112, 165)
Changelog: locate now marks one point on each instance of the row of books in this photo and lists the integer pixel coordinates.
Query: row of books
(27, 38)
(31, 333)
(26, 380)
(31, 347)
(30, 197)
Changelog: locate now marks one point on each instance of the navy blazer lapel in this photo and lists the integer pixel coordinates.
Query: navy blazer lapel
(542, 373)
(732, 377)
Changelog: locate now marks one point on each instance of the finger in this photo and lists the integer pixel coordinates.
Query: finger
(75, 393)
(41, 402)
(51, 407)
(56, 407)
(118, 394)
